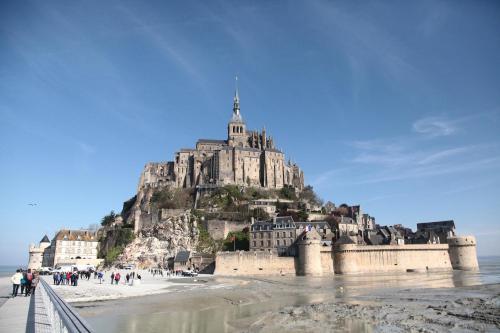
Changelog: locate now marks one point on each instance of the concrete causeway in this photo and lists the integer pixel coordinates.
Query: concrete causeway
(25, 314)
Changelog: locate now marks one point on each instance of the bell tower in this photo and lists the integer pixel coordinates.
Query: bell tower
(236, 128)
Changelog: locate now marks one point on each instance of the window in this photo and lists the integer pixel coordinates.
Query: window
(254, 243)
(291, 234)
(284, 242)
(278, 242)
(261, 243)
(268, 243)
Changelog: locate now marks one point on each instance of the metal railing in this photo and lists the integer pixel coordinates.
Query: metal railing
(62, 316)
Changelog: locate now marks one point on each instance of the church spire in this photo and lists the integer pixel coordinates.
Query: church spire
(236, 104)
(236, 100)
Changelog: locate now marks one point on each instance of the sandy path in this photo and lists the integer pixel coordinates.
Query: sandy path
(92, 290)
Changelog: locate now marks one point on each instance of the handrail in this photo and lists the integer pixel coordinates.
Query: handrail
(64, 318)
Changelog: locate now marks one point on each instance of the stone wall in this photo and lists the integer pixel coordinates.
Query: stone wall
(350, 258)
(218, 229)
(253, 263)
(327, 260)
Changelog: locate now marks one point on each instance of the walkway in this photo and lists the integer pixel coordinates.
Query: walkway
(14, 314)
(25, 314)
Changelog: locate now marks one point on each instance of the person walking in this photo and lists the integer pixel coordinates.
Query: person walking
(16, 282)
(75, 279)
(117, 278)
(24, 283)
(127, 277)
(29, 278)
(55, 277)
(112, 277)
(34, 283)
(100, 275)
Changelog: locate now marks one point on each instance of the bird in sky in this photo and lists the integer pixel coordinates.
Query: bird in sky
(32, 204)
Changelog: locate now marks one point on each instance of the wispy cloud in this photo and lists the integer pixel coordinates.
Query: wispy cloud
(86, 148)
(164, 43)
(364, 41)
(434, 126)
(435, 170)
(445, 154)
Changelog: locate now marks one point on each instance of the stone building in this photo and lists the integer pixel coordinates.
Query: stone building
(281, 234)
(443, 229)
(70, 247)
(36, 253)
(244, 158)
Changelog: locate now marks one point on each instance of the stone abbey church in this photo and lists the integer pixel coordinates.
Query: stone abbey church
(245, 158)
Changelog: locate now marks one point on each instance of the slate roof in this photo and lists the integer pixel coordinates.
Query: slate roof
(76, 235)
(437, 224)
(272, 150)
(45, 239)
(315, 224)
(182, 256)
(284, 219)
(212, 141)
(344, 240)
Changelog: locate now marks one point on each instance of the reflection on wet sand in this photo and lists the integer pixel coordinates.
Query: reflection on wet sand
(234, 304)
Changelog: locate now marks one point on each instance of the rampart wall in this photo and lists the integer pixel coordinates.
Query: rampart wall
(327, 260)
(356, 259)
(253, 263)
(350, 258)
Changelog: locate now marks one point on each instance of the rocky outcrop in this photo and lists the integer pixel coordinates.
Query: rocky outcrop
(156, 243)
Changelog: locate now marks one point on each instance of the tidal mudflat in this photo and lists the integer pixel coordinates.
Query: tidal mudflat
(426, 302)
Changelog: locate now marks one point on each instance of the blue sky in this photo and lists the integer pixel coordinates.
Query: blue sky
(392, 105)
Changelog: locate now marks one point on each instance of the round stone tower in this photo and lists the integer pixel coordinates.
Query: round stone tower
(462, 250)
(309, 245)
(36, 253)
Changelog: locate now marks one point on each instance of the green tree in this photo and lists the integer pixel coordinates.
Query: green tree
(288, 193)
(239, 240)
(310, 196)
(109, 219)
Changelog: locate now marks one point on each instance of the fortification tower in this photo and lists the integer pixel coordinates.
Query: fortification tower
(36, 253)
(309, 254)
(462, 250)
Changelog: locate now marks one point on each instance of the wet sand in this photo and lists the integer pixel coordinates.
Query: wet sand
(427, 302)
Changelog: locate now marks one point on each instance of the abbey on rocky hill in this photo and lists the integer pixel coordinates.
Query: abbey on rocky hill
(245, 158)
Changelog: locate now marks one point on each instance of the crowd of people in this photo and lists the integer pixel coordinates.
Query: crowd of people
(168, 272)
(26, 280)
(66, 278)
